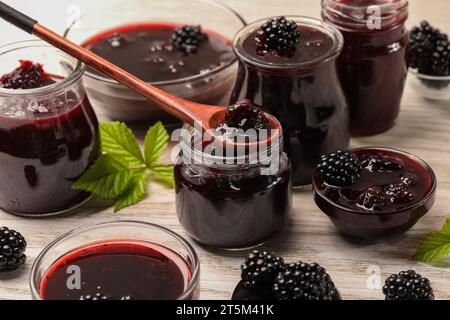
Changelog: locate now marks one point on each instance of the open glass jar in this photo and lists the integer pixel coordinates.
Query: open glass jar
(372, 67)
(302, 92)
(232, 202)
(48, 135)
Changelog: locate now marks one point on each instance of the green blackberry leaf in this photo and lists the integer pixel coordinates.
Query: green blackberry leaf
(134, 192)
(156, 142)
(163, 173)
(435, 246)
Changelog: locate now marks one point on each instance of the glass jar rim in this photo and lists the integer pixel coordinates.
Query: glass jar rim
(221, 161)
(195, 276)
(212, 72)
(333, 32)
(72, 78)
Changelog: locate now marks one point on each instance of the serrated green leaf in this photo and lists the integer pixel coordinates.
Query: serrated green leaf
(107, 178)
(163, 173)
(119, 141)
(134, 192)
(435, 246)
(156, 142)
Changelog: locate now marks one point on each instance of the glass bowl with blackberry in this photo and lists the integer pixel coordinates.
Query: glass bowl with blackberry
(429, 61)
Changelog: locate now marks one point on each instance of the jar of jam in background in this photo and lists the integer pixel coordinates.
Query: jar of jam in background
(302, 92)
(227, 203)
(372, 67)
(48, 133)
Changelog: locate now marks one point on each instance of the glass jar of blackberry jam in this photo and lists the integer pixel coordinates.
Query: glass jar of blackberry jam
(302, 91)
(48, 130)
(372, 67)
(228, 201)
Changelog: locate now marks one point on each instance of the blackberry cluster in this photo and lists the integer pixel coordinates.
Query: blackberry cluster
(260, 269)
(188, 38)
(372, 198)
(266, 276)
(245, 115)
(429, 52)
(302, 281)
(340, 168)
(278, 36)
(12, 248)
(408, 285)
(27, 76)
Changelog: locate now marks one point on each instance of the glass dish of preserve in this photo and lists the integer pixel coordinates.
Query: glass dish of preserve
(139, 40)
(121, 260)
(48, 129)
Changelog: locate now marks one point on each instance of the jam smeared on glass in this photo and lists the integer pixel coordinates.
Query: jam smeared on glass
(118, 271)
(386, 184)
(46, 143)
(162, 52)
(28, 75)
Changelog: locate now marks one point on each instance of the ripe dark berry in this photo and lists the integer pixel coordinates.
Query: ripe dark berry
(429, 53)
(398, 193)
(372, 198)
(189, 38)
(27, 76)
(278, 36)
(260, 269)
(95, 297)
(380, 163)
(408, 285)
(245, 115)
(302, 281)
(339, 168)
(12, 248)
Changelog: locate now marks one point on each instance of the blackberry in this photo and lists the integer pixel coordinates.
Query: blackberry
(339, 168)
(245, 115)
(380, 163)
(278, 36)
(188, 38)
(260, 269)
(27, 76)
(407, 285)
(98, 296)
(429, 53)
(398, 193)
(372, 198)
(12, 248)
(302, 281)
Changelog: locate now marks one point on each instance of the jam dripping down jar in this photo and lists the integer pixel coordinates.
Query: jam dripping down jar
(228, 201)
(303, 92)
(373, 65)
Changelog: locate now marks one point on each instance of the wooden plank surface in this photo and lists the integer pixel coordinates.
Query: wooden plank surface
(423, 129)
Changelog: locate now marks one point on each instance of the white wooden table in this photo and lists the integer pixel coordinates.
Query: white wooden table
(423, 129)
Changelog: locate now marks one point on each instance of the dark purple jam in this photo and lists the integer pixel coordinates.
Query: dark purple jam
(386, 184)
(148, 52)
(118, 271)
(302, 91)
(28, 75)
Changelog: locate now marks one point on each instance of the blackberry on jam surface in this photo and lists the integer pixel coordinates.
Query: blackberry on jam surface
(398, 193)
(407, 285)
(372, 198)
(27, 76)
(340, 168)
(260, 269)
(245, 115)
(278, 36)
(188, 38)
(379, 163)
(12, 248)
(302, 281)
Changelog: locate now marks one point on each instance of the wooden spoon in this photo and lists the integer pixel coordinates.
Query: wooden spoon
(207, 115)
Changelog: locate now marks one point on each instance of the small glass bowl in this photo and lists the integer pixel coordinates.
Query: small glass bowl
(119, 102)
(375, 226)
(135, 232)
(430, 87)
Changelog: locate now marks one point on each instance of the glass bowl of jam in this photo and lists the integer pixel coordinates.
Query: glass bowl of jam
(390, 193)
(48, 130)
(121, 260)
(140, 36)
